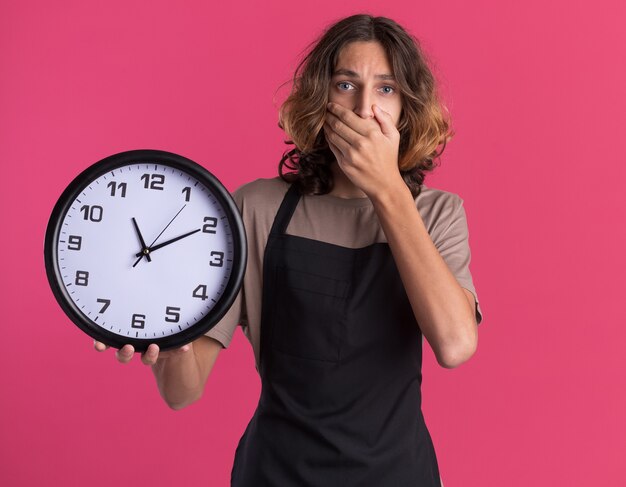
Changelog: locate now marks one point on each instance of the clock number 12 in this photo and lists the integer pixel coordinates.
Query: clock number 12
(153, 181)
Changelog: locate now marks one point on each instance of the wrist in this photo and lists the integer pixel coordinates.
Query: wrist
(397, 193)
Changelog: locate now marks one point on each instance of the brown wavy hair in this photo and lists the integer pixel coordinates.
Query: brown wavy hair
(423, 124)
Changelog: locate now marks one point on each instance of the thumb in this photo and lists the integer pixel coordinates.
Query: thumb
(384, 119)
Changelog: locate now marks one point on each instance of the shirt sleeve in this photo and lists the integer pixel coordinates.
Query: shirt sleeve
(224, 330)
(453, 245)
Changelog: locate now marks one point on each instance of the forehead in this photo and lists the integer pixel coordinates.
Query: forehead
(364, 56)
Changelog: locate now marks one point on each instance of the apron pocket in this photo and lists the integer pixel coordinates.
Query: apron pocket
(309, 315)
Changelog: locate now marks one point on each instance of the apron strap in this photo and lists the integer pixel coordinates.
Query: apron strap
(285, 212)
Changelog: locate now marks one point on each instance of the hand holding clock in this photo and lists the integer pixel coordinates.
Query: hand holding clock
(182, 373)
(149, 357)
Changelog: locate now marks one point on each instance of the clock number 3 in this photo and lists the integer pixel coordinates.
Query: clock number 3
(219, 262)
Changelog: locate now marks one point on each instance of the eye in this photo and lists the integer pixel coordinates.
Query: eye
(391, 88)
(343, 83)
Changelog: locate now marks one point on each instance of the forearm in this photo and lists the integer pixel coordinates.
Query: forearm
(439, 303)
(179, 379)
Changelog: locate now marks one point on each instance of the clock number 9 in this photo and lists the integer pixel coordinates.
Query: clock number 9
(153, 181)
(207, 227)
(74, 242)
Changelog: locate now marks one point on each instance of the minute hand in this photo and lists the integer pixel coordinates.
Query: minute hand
(167, 242)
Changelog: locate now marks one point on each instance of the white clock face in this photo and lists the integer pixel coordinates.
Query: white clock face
(153, 289)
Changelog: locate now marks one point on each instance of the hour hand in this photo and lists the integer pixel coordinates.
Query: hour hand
(142, 242)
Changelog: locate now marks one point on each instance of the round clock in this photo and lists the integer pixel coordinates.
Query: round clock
(143, 247)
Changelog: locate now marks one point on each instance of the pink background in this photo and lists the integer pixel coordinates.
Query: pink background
(536, 91)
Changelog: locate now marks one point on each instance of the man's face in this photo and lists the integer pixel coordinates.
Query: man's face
(364, 77)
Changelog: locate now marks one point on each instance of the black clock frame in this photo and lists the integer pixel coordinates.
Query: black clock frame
(145, 156)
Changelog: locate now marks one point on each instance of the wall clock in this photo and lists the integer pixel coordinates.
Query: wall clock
(145, 246)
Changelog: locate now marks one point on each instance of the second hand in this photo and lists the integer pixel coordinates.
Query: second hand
(157, 237)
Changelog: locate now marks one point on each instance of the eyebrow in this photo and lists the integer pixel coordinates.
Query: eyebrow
(354, 74)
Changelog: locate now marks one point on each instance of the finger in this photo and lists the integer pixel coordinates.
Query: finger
(150, 356)
(336, 152)
(335, 124)
(125, 354)
(99, 346)
(334, 140)
(351, 119)
(385, 120)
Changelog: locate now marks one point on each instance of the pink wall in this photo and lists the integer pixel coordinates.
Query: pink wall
(536, 91)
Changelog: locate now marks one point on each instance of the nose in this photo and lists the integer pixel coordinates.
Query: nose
(363, 106)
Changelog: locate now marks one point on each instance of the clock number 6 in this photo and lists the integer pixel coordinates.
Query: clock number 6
(139, 321)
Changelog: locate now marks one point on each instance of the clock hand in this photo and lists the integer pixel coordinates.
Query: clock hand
(146, 250)
(167, 242)
(157, 238)
(141, 241)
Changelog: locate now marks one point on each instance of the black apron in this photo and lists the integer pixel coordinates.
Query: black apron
(340, 366)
